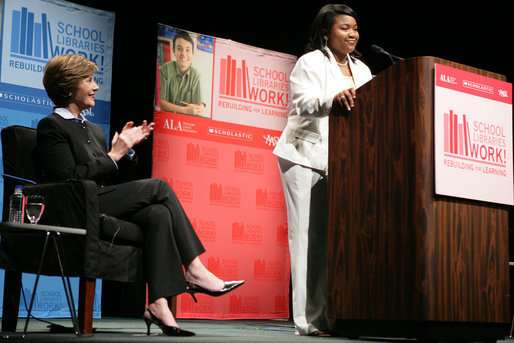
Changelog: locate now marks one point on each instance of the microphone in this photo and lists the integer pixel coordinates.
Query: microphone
(380, 50)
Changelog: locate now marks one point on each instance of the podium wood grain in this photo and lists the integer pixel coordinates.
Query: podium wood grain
(398, 252)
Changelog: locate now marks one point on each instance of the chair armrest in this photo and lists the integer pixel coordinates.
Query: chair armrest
(68, 203)
(73, 203)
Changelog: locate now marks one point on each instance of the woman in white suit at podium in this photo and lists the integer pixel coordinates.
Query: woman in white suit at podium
(327, 74)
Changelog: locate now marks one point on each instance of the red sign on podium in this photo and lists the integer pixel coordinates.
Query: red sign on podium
(473, 136)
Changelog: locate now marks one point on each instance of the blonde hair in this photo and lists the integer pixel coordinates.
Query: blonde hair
(62, 76)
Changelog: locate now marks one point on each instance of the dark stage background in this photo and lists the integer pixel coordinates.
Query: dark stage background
(474, 33)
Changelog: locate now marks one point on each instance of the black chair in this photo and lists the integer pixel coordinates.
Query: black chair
(111, 249)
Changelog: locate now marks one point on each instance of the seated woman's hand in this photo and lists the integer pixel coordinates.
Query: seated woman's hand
(146, 130)
(130, 136)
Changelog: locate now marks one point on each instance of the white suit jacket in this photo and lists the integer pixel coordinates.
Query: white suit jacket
(315, 80)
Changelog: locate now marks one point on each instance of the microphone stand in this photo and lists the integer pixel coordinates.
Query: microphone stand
(380, 50)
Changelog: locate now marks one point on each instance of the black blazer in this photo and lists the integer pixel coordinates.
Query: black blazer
(67, 149)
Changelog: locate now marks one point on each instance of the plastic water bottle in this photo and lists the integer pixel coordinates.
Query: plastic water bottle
(17, 205)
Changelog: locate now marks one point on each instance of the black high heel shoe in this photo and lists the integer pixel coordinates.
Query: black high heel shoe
(167, 330)
(192, 288)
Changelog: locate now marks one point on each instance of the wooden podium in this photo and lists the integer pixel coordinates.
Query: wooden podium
(404, 262)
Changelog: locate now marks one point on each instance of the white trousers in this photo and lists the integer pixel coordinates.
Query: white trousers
(306, 198)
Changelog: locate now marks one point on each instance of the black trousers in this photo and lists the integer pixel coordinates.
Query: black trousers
(170, 240)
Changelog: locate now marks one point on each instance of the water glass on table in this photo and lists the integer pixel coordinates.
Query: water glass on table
(34, 207)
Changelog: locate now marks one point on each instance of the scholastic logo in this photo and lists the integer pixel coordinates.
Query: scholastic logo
(20, 98)
(229, 133)
(478, 87)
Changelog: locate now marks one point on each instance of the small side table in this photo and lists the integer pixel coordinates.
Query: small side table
(56, 233)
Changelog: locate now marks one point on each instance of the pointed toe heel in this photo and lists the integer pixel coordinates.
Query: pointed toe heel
(167, 330)
(228, 287)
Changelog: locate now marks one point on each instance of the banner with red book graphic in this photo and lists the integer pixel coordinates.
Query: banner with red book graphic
(220, 108)
(473, 136)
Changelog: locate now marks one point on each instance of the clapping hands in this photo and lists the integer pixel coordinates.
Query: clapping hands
(130, 136)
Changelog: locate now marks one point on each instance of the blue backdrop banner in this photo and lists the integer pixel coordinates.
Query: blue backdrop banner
(32, 32)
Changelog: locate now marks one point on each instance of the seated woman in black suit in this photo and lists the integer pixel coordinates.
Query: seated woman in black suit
(70, 147)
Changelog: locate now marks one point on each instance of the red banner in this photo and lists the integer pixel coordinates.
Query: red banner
(221, 166)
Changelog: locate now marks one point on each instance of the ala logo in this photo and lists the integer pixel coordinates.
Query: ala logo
(174, 124)
(170, 124)
(448, 79)
(270, 140)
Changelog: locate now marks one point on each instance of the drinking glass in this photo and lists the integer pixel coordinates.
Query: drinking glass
(34, 207)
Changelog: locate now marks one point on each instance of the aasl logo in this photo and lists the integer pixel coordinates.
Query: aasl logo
(270, 140)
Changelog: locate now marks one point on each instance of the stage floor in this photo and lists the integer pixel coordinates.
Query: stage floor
(134, 330)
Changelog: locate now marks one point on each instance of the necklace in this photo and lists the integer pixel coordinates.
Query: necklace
(342, 64)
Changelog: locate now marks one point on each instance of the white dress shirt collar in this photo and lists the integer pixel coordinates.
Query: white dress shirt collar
(66, 114)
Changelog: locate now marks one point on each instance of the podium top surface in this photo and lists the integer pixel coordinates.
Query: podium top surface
(435, 59)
